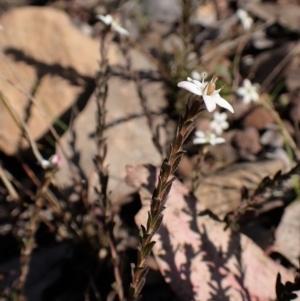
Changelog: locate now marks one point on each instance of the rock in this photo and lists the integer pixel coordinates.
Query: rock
(202, 251)
(221, 192)
(6, 4)
(258, 118)
(46, 54)
(205, 14)
(167, 11)
(287, 15)
(129, 138)
(247, 142)
(272, 136)
(288, 229)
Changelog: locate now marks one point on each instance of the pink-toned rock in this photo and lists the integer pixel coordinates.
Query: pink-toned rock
(128, 136)
(200, 259)
(45, 52)
(247, 143)
(258, 118)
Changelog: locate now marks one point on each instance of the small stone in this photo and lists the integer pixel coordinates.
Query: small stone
(247, 143)
(258, 118)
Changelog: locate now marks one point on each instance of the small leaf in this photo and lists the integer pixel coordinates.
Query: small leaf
(147, 249)
(139, 287)
(149, 220)
(164, 172)
(155, 204)
(140, 273)
(157, 223)
(177, 143)
(165, 194)
(176, 163)
(142, 231)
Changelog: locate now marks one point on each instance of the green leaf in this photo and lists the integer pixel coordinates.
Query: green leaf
(147, 249)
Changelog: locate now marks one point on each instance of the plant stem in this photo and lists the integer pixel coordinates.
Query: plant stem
(160, 194)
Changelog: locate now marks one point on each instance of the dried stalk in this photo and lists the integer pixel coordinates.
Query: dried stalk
(107, 218)
(29, 239)
(160, 194)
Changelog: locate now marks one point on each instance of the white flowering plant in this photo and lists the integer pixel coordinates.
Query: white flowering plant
(113, 23)
(248, 92)
(210, 95)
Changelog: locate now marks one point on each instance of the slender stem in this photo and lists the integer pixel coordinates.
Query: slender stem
(29, 240)
(107, 218)
(160, 194)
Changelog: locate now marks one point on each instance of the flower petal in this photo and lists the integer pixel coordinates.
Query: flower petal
(223, 116)
(254, 95)
(108, 19)
(247, 83)
(196, 75)
(241, 91)
(223, 103)
(190, 87)
(122, 31)
(217, 140)
(209, 102)
(200, 134)
(199, 141)
(225, 125)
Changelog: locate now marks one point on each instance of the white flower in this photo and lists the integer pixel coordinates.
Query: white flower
(114, 24)
(53, 162)
(219, 123)
(196, 75)
(245, 19)
(249, 92)
(211, 138)
(208, 91)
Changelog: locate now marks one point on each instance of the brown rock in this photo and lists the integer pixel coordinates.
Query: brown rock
(221, 192)
(258, 118)
(46, 53)
(247, 142)
(129, 138)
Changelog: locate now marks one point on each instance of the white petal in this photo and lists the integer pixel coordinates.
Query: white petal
(196, 75)
(223, 116)
(216, 129)
(216, 116)
(247, 83)
(217, 140)
(241, 91)
(108, 19)
(223, 103)
(254, 95)
(45, 163)
(241, 13)
(190, 87)
(247, 98)
(209, 102)
(197, 83)
(122, 31)
(225, 125)
(199, 141)
(200, 134)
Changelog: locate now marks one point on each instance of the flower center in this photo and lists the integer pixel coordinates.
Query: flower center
(211, 86)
